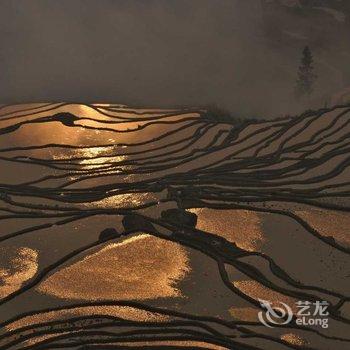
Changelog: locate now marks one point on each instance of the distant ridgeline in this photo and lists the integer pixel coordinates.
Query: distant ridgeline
(222, 115)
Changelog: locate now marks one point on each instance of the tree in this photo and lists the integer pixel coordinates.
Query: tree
(306, 75)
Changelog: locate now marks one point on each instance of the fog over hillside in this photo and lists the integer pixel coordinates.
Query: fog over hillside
(241, 55)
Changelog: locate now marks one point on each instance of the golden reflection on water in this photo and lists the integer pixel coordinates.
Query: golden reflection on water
(95, 158)
(102, 163)
(19, 269)
(123, 200)
(91, 152)
(293, 339)
(256, 291)
(41, 338)
(39, 134)
(242, 227)
(248, 314)
(124, 312)
(328, 223)
(140, 267)
(177, 343)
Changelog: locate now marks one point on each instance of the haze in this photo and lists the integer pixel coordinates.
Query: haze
(239, 54)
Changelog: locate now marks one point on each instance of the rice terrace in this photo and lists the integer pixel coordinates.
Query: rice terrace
(149, 228)
(175, 175)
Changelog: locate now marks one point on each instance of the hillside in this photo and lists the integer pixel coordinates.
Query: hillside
(95, 234)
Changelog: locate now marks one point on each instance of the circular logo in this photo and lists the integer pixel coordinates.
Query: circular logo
(278, 315)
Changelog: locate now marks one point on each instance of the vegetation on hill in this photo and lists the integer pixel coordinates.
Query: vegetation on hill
(217, 114)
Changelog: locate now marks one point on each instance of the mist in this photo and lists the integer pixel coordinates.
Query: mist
(159, 53)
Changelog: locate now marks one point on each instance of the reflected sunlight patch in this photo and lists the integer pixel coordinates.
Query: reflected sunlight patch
(140, 267)
(124, 312)
(257, 291)
(187, 344)
(90, 162)
(328, 223)
(123, 200)
(293, 339)
(242, 227)
(248, 314)
(16, 269)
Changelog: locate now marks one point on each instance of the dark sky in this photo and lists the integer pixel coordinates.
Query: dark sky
(154, 52)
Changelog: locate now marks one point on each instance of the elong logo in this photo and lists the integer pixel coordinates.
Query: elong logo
(283, 314)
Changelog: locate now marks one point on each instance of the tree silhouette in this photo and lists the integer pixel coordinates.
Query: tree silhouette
(306, 75)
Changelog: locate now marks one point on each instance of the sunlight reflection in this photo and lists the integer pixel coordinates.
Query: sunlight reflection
(242, 227)
(19, 269)
(125, 312)
(140, 267)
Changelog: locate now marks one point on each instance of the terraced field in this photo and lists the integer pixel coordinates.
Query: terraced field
(125, 228)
